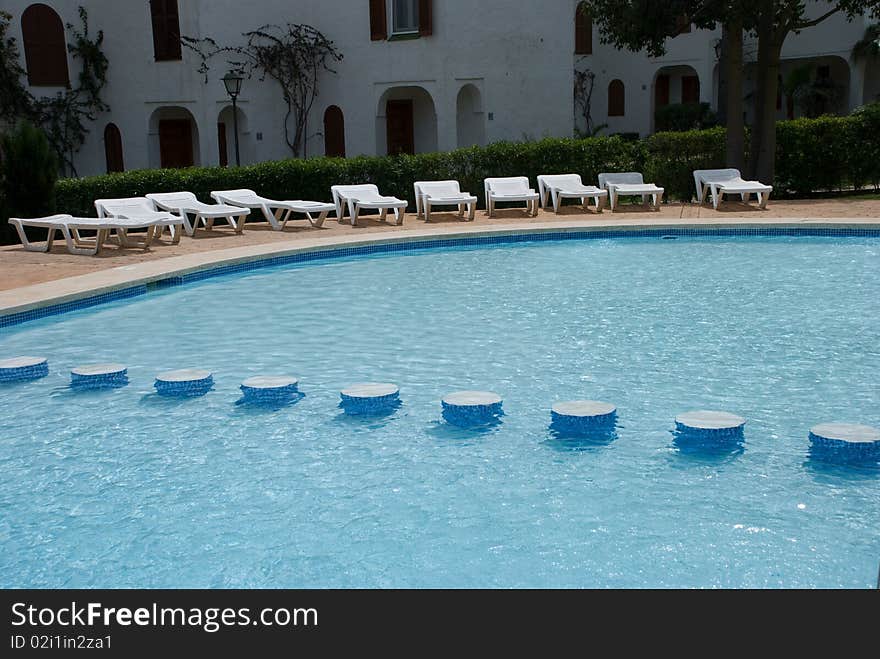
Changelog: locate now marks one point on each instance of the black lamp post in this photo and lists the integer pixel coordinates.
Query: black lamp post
(232, 81)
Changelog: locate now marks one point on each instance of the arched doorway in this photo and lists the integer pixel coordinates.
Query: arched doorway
(470, 119)
(113, 149)
(675, 85)
(174, 138)
(334, 132)
(406, 121)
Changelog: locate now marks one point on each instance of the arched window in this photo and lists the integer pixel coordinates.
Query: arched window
(616, 99)
(45, 49)
(113, 149)
(166, 30)
(583, 32)
(334, 132)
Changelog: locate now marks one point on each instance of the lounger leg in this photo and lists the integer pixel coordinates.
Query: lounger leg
(29, 246)
(239, 227)
(612, 200)
(353, 210)
(557, 202)
(717, 197)
(472, 211)
(763, 199)
(427, 211)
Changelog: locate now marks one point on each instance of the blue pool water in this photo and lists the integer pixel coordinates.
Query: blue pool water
(124, 488)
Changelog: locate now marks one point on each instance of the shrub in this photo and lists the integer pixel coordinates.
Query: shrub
(30, 172)
(671, 158)
(680, 117)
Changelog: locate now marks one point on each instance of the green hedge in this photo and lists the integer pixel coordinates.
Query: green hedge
(829, 153)
(312, 178)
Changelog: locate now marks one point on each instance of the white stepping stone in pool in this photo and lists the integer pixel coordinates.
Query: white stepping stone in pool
(369, 397)
(846, 441)
(96, 376)
(184, 382)
(582, 414)
(269, 387)
(23, 368)
(467, 408)
(710, 423)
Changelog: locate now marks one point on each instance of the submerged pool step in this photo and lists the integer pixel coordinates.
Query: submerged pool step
(369, 398)
(184, 383)
(269, 388)
(845, 442)
(19, 369)
(99, 376)
(582, 416)
(472, 408)
(710, 424)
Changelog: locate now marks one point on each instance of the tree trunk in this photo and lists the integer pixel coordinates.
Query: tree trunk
(763, 151)
(732, 63)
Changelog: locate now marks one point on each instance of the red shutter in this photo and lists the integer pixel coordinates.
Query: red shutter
(45, 47)
(690, 89)
(426, 18)
(166, 30)
(583, 33)
(378, 21)
(113, 149)
(616, 99)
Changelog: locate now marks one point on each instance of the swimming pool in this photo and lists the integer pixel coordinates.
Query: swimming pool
(123, 488)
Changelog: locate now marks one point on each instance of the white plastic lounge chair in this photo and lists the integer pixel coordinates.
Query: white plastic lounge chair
(277, 213)
(142, 209)
(630, 184)
(185, 204)
(357, 197)
(569, 186)
(70, 228)
(512, 188)
(443, 193)
(719, 182)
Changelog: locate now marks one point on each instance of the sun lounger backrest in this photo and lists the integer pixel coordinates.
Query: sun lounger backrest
(511, 185)
(562, 180)
(717, 175)
(439, 188)
(621, 178)
(172, 199)
(129, 205)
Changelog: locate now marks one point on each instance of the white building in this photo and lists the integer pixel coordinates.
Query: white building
(426, 76)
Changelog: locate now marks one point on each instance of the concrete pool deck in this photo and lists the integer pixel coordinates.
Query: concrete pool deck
(30, 280)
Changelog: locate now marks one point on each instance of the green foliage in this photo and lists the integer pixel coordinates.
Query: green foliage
(829, 153)
(671, 158)
(685, 116)
(29, 174)
(15, 101)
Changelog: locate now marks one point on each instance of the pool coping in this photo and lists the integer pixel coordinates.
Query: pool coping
(23, 304)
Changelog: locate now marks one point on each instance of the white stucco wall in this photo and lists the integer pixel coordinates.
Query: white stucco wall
(518, 55)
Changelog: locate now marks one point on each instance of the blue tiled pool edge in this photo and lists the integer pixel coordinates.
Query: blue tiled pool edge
(416, 244)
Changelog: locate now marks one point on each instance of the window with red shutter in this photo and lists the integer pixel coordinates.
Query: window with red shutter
(113, 149)
(45, 48)
(166, 30)
(616, 99)
(378, 20)
(334, 132)
(583, 33)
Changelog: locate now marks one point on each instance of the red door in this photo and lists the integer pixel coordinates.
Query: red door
(399, 127)
(690, 89)
(221, 141)
(175, 143)
(661, 92)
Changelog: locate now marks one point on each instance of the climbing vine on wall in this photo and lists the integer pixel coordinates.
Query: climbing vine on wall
(65, 117)
(293, 55)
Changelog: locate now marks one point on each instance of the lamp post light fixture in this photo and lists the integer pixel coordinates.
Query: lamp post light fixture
(232, 81)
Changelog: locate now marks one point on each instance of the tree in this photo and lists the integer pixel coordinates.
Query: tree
(15, 101)
(644, 24)
(294, 56)
(30, 169)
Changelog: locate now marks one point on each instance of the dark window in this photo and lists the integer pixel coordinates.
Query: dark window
(616, 99)
(583, 33)
(779, 93)
(378, 20)
(113, 149)
(45, 49)
(166, 30)
(690, 89)
(334, 132)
